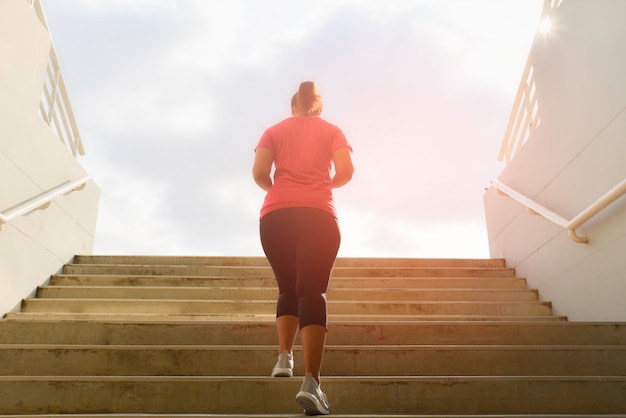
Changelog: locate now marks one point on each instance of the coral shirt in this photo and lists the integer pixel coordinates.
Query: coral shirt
(302, 148)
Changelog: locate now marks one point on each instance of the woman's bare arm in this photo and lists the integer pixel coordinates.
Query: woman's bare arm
(342, 158)
(262, 168)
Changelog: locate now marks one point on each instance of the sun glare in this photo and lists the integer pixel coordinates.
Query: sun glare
(545, 25)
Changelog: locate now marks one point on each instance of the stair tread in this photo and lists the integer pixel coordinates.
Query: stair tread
(331, 347)
(250, 288)
(113, 329)
(393, 271)
(334, 416)
(269, 281)
(121, 415)
(340, 360)
(266, 293)
(396, 379)
(192, 307)
(271, 318)
(266, 301)
(437, 395)
(270, 277)
(261, 260)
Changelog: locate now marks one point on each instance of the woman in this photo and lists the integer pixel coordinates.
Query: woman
(299, 230)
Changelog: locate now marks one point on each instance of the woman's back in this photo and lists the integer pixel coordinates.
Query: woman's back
(302, 148)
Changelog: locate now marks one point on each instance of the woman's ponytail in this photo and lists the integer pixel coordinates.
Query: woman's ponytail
(309, 100)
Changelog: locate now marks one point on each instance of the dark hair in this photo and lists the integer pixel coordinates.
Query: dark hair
(294, 104)
(309, 101)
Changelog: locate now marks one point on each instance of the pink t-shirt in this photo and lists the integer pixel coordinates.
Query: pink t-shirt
(302, 148)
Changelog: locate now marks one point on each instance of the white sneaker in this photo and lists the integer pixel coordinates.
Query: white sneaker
(311, 397)
(284, 365)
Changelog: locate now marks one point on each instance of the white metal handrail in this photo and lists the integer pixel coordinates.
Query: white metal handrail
(43, 200)
(571, 225)
(55, 107)
(524, 117)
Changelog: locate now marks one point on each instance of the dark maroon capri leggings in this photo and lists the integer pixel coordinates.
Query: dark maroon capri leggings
(301, 245)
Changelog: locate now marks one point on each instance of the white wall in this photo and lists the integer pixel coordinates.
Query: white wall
(577, 154)
(33, 160)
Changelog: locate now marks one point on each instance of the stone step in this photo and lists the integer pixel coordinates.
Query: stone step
(269, 281)
(269, 306)
(122, 332)
(252, 271)
(260, 318)
(333, 415)
(264, 293)
(347, 395)
(262, 261)
(352, 360)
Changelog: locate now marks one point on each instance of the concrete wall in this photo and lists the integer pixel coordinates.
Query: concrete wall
(33, 160)
(577, 154)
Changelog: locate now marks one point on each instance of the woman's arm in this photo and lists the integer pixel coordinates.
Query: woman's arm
(263, 159)
(342, 158)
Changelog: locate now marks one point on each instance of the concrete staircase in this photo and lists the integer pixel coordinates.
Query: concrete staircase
(407, 337)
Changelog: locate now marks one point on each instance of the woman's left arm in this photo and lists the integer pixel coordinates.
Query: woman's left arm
(262, 168)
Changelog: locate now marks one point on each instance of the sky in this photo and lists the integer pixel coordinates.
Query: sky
(171, 97)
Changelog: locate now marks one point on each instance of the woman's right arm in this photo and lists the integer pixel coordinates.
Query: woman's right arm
(262, 168)
(342, 158)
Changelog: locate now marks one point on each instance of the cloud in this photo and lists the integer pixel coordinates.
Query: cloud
(172, 96)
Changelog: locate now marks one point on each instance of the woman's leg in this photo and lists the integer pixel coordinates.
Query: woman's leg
(278, 242)
(287, 329)
(316, 253)
(313, 345)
